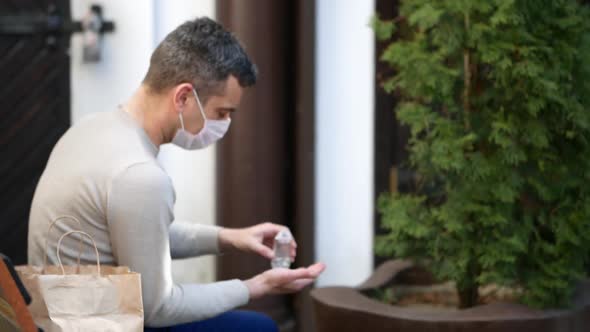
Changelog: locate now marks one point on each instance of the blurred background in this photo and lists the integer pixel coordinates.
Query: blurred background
(302, 150)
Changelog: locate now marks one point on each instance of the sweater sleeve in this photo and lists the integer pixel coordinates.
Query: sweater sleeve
(140, 214)
(190, 240)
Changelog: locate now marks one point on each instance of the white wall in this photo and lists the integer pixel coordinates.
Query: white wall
(100, 87)
(344, 146)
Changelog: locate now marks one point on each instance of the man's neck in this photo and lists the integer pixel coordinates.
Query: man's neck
(146, 109)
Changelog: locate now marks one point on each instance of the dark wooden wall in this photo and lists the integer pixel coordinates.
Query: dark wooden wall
(265, 164)
(34, 109)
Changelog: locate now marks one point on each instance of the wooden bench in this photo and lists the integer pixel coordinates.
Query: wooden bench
(14, 314)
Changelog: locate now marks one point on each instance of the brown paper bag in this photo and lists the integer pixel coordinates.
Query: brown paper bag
(84, 298)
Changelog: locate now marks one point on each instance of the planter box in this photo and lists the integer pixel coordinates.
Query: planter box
(340, 309)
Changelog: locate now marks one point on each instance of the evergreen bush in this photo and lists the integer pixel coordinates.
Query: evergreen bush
(496, 94)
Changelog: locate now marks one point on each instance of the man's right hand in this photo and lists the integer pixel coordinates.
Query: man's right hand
(283, 281)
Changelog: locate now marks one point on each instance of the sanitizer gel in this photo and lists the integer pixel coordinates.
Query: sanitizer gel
(282, 248)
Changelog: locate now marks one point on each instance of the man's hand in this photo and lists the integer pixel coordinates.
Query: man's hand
(283, 281)
(258, 239)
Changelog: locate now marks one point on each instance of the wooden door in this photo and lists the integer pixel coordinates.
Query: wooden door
(34, 107)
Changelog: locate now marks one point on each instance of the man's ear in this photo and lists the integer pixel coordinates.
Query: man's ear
(181, 95)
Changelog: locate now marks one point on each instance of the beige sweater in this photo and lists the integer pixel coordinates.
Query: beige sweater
(104, 172)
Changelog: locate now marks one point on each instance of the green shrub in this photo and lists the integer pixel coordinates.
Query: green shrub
(496, 94)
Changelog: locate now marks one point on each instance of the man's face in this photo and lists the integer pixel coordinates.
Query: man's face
(217, 107)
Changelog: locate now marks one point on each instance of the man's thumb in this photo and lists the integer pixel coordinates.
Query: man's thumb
(264, 251)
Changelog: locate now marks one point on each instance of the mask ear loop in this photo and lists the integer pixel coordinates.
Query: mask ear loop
(181, 120)
(200, 107)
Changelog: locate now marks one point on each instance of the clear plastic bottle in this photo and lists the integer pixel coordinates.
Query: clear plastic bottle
(282, 249)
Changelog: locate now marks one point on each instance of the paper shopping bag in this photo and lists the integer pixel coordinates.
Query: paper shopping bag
(84, 298)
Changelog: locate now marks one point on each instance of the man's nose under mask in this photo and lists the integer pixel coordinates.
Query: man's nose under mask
(213, 130)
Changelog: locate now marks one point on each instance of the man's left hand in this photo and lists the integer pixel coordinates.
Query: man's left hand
(257, 239)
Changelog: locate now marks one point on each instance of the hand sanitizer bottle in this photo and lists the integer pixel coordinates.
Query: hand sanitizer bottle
(282, 249)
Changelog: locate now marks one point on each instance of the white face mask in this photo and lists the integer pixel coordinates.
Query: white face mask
(212, 131)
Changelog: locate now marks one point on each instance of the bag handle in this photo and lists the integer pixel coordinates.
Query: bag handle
(47, 238)
(63, 271)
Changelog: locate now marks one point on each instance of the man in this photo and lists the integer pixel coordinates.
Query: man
(104, 172)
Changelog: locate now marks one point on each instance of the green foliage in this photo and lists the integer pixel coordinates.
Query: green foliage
(496, 94)
(383, 29)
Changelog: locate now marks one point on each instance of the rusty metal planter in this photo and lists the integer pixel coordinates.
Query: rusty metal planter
(348, 309)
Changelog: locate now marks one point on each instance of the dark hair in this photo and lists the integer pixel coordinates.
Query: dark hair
(203, 53)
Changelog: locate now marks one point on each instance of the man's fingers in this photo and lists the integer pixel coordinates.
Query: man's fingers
(269, 242)
(285, 276)
(281, 280)
(297, 285)
(270, 229)
(264, 251)
(299, 273)
(316, 269)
